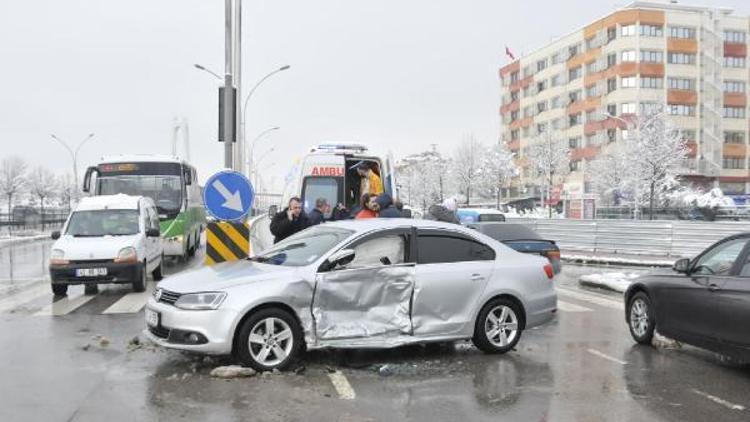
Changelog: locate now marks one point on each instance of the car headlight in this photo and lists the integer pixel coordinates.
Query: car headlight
(127, 254)
(57, 257)
(200, 301)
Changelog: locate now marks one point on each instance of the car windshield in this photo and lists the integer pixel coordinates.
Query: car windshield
(166, 191)
(103, 223)
(304, 247)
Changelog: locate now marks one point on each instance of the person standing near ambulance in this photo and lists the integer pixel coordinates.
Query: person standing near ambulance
(370, 181)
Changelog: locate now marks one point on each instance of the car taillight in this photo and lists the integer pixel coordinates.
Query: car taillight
(549, 271)
(552, 254)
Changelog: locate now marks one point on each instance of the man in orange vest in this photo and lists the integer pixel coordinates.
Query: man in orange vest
(370, 181)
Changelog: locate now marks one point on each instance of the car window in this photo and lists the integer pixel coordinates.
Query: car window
(384, 250)
(436, 248)
(304, 247)
(719, 260)
(491, 217)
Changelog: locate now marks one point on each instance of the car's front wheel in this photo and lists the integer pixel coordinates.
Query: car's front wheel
(60, 289)
(641, 319)
(270, 339)
(498, 326)
(139, 285)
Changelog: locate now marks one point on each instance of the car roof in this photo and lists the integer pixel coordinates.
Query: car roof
(103, 202)
(386, 223)
(142, 158)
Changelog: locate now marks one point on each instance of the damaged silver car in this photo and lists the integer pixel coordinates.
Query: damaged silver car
(376, 283)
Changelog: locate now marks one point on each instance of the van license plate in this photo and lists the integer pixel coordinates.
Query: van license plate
(91, 272)
(152, 318)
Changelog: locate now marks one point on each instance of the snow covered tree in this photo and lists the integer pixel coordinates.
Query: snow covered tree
(423, 178)
(42, 185)
(497, 168)
(466, 165)
(607, 174)
(12, 179)
(549, 160)
(66, 190)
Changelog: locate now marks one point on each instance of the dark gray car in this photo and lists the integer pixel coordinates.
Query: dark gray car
(704, 302)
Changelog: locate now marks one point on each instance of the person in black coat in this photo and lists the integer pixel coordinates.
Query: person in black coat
(386, 208)
(318, 214)
(289, 221)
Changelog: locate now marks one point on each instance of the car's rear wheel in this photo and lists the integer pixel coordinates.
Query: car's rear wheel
(60, 289)
(90, 289)
(498, 326)
(139, 285)
(641, 319)
(270, 339)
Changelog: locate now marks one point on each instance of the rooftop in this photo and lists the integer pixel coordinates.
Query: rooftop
(103, 202)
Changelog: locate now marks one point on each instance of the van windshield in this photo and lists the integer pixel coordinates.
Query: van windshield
(320, 187)
(102, 223)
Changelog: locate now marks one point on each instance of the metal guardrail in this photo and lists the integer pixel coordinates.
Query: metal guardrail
(670, 239)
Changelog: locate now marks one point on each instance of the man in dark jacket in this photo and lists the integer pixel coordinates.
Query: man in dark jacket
(386, 208)
(289, 221)
(318, 214)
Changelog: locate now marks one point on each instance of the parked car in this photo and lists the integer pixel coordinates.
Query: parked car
(523, 239)
(704, 301)
(377, 283)
(107, 239)
(477, 215)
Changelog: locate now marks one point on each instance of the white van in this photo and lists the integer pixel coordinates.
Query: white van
(327, 172)
(107, 239)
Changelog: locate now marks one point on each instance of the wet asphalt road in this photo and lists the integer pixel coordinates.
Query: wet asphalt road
(581, 367)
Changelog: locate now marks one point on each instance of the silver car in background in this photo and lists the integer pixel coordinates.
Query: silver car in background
(376, 283)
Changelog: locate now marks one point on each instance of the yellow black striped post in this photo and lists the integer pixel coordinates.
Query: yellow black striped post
(227, 241)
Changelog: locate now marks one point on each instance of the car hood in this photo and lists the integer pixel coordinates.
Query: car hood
(88, 248)
(224, 276)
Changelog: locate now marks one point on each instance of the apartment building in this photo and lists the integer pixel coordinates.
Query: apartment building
(694, 59)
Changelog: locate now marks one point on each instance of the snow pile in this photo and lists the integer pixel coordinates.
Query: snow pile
(714, 198)
(618, 282)
(531, 213)
(646, 260)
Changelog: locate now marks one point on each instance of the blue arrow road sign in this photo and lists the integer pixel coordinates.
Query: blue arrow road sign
(228, 195)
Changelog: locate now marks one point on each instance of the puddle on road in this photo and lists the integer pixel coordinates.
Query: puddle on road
(24, 263)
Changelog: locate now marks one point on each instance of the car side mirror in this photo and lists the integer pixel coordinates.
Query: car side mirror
(341, 257)
(55, 235)
(153, 233)
(682, 265)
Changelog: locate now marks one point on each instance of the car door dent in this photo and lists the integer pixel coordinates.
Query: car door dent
(368, 303)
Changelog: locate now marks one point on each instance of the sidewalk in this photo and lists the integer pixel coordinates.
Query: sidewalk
(617, 259)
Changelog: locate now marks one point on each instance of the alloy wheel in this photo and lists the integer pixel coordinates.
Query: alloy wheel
(639, 317)
(501, 326)
(270, 341)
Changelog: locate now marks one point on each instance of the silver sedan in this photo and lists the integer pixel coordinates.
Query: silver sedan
(356, 284)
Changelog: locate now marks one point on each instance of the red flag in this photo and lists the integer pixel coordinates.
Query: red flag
(509, 53)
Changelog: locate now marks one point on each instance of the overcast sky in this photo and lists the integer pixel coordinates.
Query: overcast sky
(399, 74)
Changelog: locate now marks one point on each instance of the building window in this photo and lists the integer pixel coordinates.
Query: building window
(611, 85)
(611, 60)
(574, 73)
(611, 33)
(526, 91)
(733, 163)
(628, 82)
(591, 91)
(652, 30)
(591, 68)
(681, 83)
(514, 116)
(628, 108)
(649, 107)
(624, 134)
(555, 102)
(612, 109)
(555, 58)
(734, 36)
(514, 77)
(650, 82)
(682, 32)
(574, 50)
(514, 95)
(541, 86)
(734, 86)
(732, 188)
(574, 96)
(627, 30)
(527, 112)
(541, 107)
(554, 81)
(628, 56)
(574, 143)
(688, 135)
(611, 135)
(556, 124)
(575, 165)
(681, 58)
(734, 62)
(541, 127)
(681, 110)
(514, 135)
(734, 112)
(734, 137)
(652, 56)
(526, 132)
(575, 119)
(541, 65)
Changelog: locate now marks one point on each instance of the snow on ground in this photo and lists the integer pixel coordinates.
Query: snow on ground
(12, 240)
(646, 261)
(533, 213)
(617, 281)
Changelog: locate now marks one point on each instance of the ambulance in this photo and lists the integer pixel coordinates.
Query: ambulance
(328, 171)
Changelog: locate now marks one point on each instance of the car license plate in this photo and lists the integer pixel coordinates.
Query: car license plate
(152, 318)
(91, 272)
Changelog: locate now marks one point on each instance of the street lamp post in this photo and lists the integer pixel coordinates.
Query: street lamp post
(209, 71)
(73, 154)
(251, 156)
(257, 163)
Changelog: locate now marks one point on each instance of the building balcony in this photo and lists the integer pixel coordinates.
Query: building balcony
(732, 49)
(682, 96)
(732, 99)
(510, 107)
(585, 152)
(735, 150)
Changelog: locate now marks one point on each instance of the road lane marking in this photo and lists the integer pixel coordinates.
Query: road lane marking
(720, 401)
(131, 302)
(570, 307)
(605, 356)
(590, 298)
(342, 386)
(65, 305)
(17, 299)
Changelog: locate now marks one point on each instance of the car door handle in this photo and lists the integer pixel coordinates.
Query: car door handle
(476, 277)
(713, 287)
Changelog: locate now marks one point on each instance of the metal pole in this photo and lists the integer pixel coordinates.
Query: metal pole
(227, 119)
(239, 152)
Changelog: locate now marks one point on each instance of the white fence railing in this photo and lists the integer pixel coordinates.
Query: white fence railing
(656, 238)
